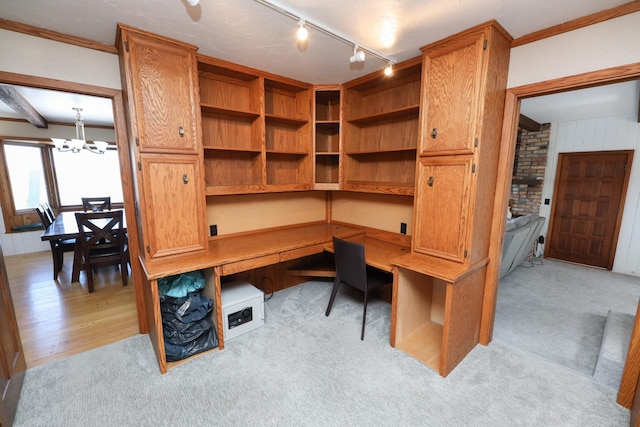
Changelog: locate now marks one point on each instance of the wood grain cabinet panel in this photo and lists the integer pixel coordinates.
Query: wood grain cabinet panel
(442, 202)
(163, 105)
(162, 78)
(173, 224)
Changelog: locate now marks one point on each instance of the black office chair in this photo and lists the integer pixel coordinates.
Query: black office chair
(96, 204)
(58, 247)
(102, 241)
(352, 270)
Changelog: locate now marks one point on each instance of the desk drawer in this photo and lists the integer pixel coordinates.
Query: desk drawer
(302, 252)
(250, 264)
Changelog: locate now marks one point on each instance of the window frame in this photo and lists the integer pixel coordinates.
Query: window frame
(20, 218)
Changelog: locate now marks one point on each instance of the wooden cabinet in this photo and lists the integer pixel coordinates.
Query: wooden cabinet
(381, 130)
(163, 93)
(12, 363)
(160, 76)
(256, 130)
(327, 108)
(464, 83)
(439, 287)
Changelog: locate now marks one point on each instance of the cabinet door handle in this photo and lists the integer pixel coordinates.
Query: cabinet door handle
(430, 181)
(185, 178)
(434, 133)
(180, 131)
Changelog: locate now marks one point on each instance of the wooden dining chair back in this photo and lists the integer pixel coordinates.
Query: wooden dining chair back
(102, 241)
(48, 211)
(58, 247)
(352, 270)
(96, 204)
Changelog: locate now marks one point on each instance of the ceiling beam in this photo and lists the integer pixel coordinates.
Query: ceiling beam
(10, 96)
(529, 124)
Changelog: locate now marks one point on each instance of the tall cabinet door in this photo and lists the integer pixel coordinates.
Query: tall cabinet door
(12, 363)
(452, 83)
(442, 202)
(164, 96)
(172, 200)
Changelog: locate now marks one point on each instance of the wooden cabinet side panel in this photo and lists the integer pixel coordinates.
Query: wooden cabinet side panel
(163, 81)
(173, 205)
(154, 321)
(463, 311)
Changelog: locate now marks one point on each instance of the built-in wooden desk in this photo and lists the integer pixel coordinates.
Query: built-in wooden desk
(378, 253)
(437, 308)
(231, 255)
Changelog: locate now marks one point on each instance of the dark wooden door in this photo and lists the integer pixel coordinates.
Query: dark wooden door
(12, 363)
(587, 208)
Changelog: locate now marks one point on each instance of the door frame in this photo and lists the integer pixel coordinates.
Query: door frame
(126, 170)
(623, 197)
(505, 166)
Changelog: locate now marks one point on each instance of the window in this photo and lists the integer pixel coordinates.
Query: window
(86, 174)
(26, 175)
(37, 173)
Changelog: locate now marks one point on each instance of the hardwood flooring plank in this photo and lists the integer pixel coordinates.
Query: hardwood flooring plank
(57, 319)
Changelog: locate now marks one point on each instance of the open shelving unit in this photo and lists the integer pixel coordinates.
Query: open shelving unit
(256, 130)
(381, 117)
(327, 137)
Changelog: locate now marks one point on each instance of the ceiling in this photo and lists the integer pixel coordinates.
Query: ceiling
(249, 33)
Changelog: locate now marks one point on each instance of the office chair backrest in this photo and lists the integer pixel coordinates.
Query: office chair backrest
(350, 262)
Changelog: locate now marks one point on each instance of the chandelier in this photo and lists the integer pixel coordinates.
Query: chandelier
(79, 143)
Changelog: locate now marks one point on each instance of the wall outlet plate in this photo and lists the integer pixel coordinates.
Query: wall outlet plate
(213, 230)
(403, 228)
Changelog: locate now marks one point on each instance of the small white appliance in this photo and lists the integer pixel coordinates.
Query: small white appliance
(242, 308)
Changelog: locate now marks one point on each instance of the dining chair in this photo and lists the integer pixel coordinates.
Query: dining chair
(352, 270)
(102, 241)
(96, 204)
(58, 247)
(48, 211)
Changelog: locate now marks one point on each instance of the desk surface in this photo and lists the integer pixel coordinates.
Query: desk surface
(64, 227)
(238, 248)
(378, 253)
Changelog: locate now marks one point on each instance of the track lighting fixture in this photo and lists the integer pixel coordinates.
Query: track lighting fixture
(302, 31)
(388, 71)
(358, 55)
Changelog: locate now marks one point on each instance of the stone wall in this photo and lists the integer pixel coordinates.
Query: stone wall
(528, 171)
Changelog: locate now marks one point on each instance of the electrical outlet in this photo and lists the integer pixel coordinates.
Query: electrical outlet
(547, 201)
(213, 230)
(403, 228)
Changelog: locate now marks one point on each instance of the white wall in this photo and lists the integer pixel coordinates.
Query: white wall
(607, 133)
(604, 45)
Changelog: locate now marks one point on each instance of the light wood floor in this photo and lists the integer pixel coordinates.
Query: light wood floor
(57, 319)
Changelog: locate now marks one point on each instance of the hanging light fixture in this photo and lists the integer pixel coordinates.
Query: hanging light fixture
(79, 143)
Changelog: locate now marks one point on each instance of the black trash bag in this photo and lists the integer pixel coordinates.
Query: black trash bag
(182, 351)
(188, 327)
(191, 308)
(177, 332)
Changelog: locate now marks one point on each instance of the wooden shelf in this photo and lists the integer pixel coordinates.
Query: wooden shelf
(271, 118)
(400, 113)
(424, 344)
(380, 132)
(212, 109)
(327, 137)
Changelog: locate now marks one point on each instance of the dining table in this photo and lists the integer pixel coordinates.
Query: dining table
(63, 227)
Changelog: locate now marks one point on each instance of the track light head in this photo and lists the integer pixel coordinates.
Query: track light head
(302, 32)
(388, 71)
(193, 2)
(358, 55)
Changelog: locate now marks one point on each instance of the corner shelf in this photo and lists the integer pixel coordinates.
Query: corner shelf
(327, 137)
